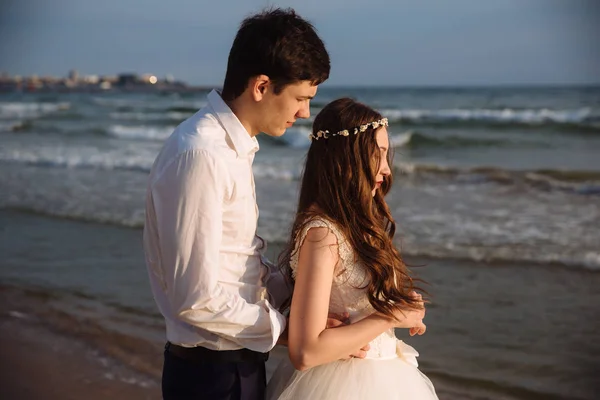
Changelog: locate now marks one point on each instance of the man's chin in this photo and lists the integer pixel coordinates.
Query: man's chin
(277, 133)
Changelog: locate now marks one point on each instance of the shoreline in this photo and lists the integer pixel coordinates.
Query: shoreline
(40, 360)
(74, 358)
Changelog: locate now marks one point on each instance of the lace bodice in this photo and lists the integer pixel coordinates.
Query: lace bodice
(348, 289)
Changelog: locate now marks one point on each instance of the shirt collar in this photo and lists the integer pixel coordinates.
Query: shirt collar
(244, 144)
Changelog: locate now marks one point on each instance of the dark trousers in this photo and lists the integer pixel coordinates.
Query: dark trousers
(191, 379)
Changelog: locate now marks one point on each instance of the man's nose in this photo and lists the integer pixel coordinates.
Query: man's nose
(304, 111)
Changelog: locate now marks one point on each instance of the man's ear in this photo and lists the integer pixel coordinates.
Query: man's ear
(259, 86)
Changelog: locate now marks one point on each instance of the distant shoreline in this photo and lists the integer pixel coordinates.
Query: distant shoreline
(141, 89)
(207, 88)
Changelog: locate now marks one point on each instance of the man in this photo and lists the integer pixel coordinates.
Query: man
(202, 252)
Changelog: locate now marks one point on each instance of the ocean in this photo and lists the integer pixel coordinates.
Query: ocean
(496, 192)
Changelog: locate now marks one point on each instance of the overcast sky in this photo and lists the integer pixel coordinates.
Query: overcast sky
(374, 42)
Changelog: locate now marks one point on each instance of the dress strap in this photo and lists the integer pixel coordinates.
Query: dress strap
(343, 247)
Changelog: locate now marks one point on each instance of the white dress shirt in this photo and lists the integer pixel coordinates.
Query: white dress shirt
(202, 251)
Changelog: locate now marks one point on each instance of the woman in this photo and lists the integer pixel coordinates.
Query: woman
(341, 259)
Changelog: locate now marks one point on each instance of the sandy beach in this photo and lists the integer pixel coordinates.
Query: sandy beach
(41, 361)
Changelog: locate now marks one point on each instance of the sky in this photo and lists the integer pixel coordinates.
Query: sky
(374, 42)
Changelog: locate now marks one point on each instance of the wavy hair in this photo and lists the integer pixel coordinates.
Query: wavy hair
(337, 184)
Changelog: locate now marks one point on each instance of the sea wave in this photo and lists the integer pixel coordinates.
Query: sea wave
(530, 254)
(185, 109)
(582, 117)
(402, 139)
(23, 110)
(141, 132)
(149, 104)
(12, 126)
(295, 137)
(82, 158)
(153, 117)
(91, 158)
(587, 260)
(416, 139)
(144, 132)
(275, 172)
(579, 182)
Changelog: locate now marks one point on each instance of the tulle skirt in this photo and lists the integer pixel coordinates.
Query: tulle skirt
(360, 379)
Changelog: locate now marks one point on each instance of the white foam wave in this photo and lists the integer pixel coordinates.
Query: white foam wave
(18, 314)
(507, 115)
(589, 261)
(147, 103)
(448, 246)
(143, 116)
(80, 157)
(296, 137)
(140, 132)
(275, 172)
(131, 157)
(401, 139)
(21, 110)
(118, 102)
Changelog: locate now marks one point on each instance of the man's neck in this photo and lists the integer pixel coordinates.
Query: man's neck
(241, 111)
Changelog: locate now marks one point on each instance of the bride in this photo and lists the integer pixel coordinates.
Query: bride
(341, 259)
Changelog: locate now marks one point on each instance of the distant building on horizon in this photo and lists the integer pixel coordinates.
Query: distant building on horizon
(127, 79)
(73, 75)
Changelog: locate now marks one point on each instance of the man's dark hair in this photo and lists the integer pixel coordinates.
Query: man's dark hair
(277, 43)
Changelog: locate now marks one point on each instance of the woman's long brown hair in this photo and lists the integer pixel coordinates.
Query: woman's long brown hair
(337, 184)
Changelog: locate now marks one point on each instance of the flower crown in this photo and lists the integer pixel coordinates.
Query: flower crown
(346, 132)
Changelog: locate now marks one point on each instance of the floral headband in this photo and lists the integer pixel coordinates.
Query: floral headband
(346, 132)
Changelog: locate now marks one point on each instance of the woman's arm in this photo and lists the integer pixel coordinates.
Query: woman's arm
(310, 343)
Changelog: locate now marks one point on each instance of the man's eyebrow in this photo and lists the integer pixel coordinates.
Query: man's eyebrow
(306, 97)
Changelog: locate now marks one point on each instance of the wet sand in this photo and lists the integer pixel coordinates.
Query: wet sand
(38, 361)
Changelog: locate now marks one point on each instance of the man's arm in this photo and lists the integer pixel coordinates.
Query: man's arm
(188, 201)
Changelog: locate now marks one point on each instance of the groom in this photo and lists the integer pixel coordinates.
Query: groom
(202, 251)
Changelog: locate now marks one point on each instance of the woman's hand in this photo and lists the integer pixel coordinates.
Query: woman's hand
(418, 330)
(413, 318)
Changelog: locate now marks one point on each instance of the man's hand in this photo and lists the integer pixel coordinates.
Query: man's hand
(334, 320)
(337, 320)
(362, 353)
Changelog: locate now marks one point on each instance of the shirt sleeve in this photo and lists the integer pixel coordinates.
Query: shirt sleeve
(188, 202)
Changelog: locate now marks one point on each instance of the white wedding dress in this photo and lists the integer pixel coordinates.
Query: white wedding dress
(388, 372)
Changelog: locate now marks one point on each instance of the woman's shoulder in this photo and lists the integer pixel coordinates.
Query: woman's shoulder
(320, 226)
